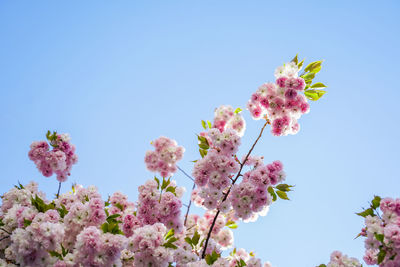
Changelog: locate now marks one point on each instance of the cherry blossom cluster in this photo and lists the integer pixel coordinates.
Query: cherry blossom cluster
(214, 172)
(165, 156)
(145, 247)
(338, 259)
(158, 203)
(57, 161)
(226, 118)
(281, 102)
(382, 232)
(250, 197)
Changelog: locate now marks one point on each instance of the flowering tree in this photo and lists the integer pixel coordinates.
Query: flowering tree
(79, 228)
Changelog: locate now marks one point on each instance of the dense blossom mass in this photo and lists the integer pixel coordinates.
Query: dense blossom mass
(79, 228)
(57, 161)
(281, 102)
(163, 160)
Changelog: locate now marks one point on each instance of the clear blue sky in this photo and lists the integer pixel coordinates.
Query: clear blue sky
(118, 74)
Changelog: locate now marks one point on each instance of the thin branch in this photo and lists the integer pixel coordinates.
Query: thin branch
(59, 187)
(5, 231)
(229, 190)
(187, 175)
(1, 239)
(188, 206)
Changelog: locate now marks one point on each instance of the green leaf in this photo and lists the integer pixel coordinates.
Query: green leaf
(169, 234)
(56, 254)
(321, 265)
(282, 195)
(165, 183)
(1, 222)
(189, 241)
(118, 205)
(62, 211)
(209, 124)
(196, 238)
(376, 202)
(238, 110)
(158, 182)
(204, 124)
(379, 237)
(171, 189)
(313, 66)
(308, 76)
(231, 224)
(27, 222)
(366, 212)
(203, 152)
(381, 256)
(272, 193)
(284, 187)
(295, 59)
(318, 85)
(300, 64)
(112, 218)
(314, 94)
(170, 245)
(210, 259)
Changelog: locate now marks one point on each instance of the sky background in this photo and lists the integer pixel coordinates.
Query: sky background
(118, 74)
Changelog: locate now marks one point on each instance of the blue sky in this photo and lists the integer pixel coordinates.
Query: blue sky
(118, 74)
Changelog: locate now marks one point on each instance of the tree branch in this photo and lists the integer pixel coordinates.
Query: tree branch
(229, 190)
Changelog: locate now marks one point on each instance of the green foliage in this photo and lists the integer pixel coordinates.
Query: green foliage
(118, 205)
(314, 95)
(381, 256)
(62, 211)
(272, 193)
(366, 212)
(52, 137)
(206, 125)
(170, 239)
(210, 259)
(40, 205)
(158, 182)
(280, 191)
(240, 263)
(321, 265)
(194, 240)
(238, 110)
(312, 91)
(1, 222)
(376, 202)
(61, 255)
(203, 145)
(111, 224)
(231, 224)
(27, 222)
(19, 186)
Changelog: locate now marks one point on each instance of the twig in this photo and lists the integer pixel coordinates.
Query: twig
(59, 187)
(1, 239)
(5, 231)
(188, 206)
(187, 175)
(229, 190)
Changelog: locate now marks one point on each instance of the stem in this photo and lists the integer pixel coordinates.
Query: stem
(188, 206)
(59, 187)
(187, 175)
(229, 190)
(1, 239)
(5, 231)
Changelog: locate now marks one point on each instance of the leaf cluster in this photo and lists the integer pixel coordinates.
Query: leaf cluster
(111, 224)
(280, 191)
(211, 258)
(170, 239)
(312, 91)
